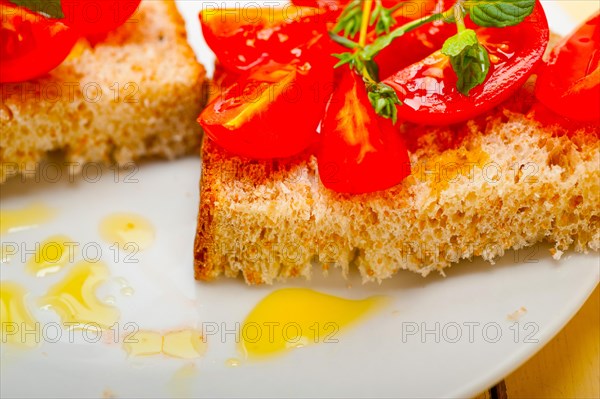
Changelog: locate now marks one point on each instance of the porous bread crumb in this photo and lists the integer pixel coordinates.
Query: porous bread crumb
(136, 94)
(108, 394)
(556, 253)
(478, 189)
(517, 314)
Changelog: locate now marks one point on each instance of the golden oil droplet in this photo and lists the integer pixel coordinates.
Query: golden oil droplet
(143, 343)
(126, 289)
(74, 298)
(121, 281)
(15, 318)
(110, 300)
(294, 317)
(51, 257)
(180, 384)
(185, 344)
(25, 218)
(233, 362)
(130, 231)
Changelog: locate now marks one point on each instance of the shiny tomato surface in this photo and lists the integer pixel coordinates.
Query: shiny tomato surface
(243, 38)
(569, 84)
(428, 87)
(271, 112)
(31, 44)
(93, 17)
(359, 151)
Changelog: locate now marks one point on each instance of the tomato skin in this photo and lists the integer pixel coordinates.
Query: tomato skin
(569, 84)
(31, 44)
(95, 17)
(241, 42)
(271, 112)
(546, 117)
(416, 44)
(428, 87)
(337, 4)
(359, 151)
(333, 7)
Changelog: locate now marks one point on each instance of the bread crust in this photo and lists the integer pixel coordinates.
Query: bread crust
(272, 220)
(135, 94)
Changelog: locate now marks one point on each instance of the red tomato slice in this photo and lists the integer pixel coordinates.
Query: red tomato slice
(335, 7)
(31, 44)
(416, 44)
(569, 84)
(428, 87)
(269, 113)
(359, 151)
(244, 37)
(93, 17)
(546, 117)
(338, 5)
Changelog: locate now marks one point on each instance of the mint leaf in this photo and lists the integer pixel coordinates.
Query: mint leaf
(50, 8)
(471, 66)
(499, 13)
(454, 45)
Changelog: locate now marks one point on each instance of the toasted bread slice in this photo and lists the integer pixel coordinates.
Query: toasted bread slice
(133, 95)
(499, 182)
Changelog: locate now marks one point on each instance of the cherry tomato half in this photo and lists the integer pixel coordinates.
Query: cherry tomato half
(359, 151)
(93, 17)
(338, 4)
(31, 44)
(244, 37)
(333, 7)
(416, 44)
(270, 112)
(428, 87)
(569, 84)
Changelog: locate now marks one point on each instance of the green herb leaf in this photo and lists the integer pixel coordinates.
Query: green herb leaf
(384, 99)
(50, 8)
(368, 67)
(472, 66)
(349, 21)
(371, 50)
(382, 18)
(454, 45)
(343, 41)
(345, 58)
(499, 13)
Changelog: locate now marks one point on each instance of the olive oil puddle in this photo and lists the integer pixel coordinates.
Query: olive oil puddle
(294, 317)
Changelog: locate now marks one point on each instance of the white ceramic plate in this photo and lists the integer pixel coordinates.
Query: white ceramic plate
(439, 337)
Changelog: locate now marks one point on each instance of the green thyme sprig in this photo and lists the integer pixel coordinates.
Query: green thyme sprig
(350, 20)
(382, 97)
(469, 59)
